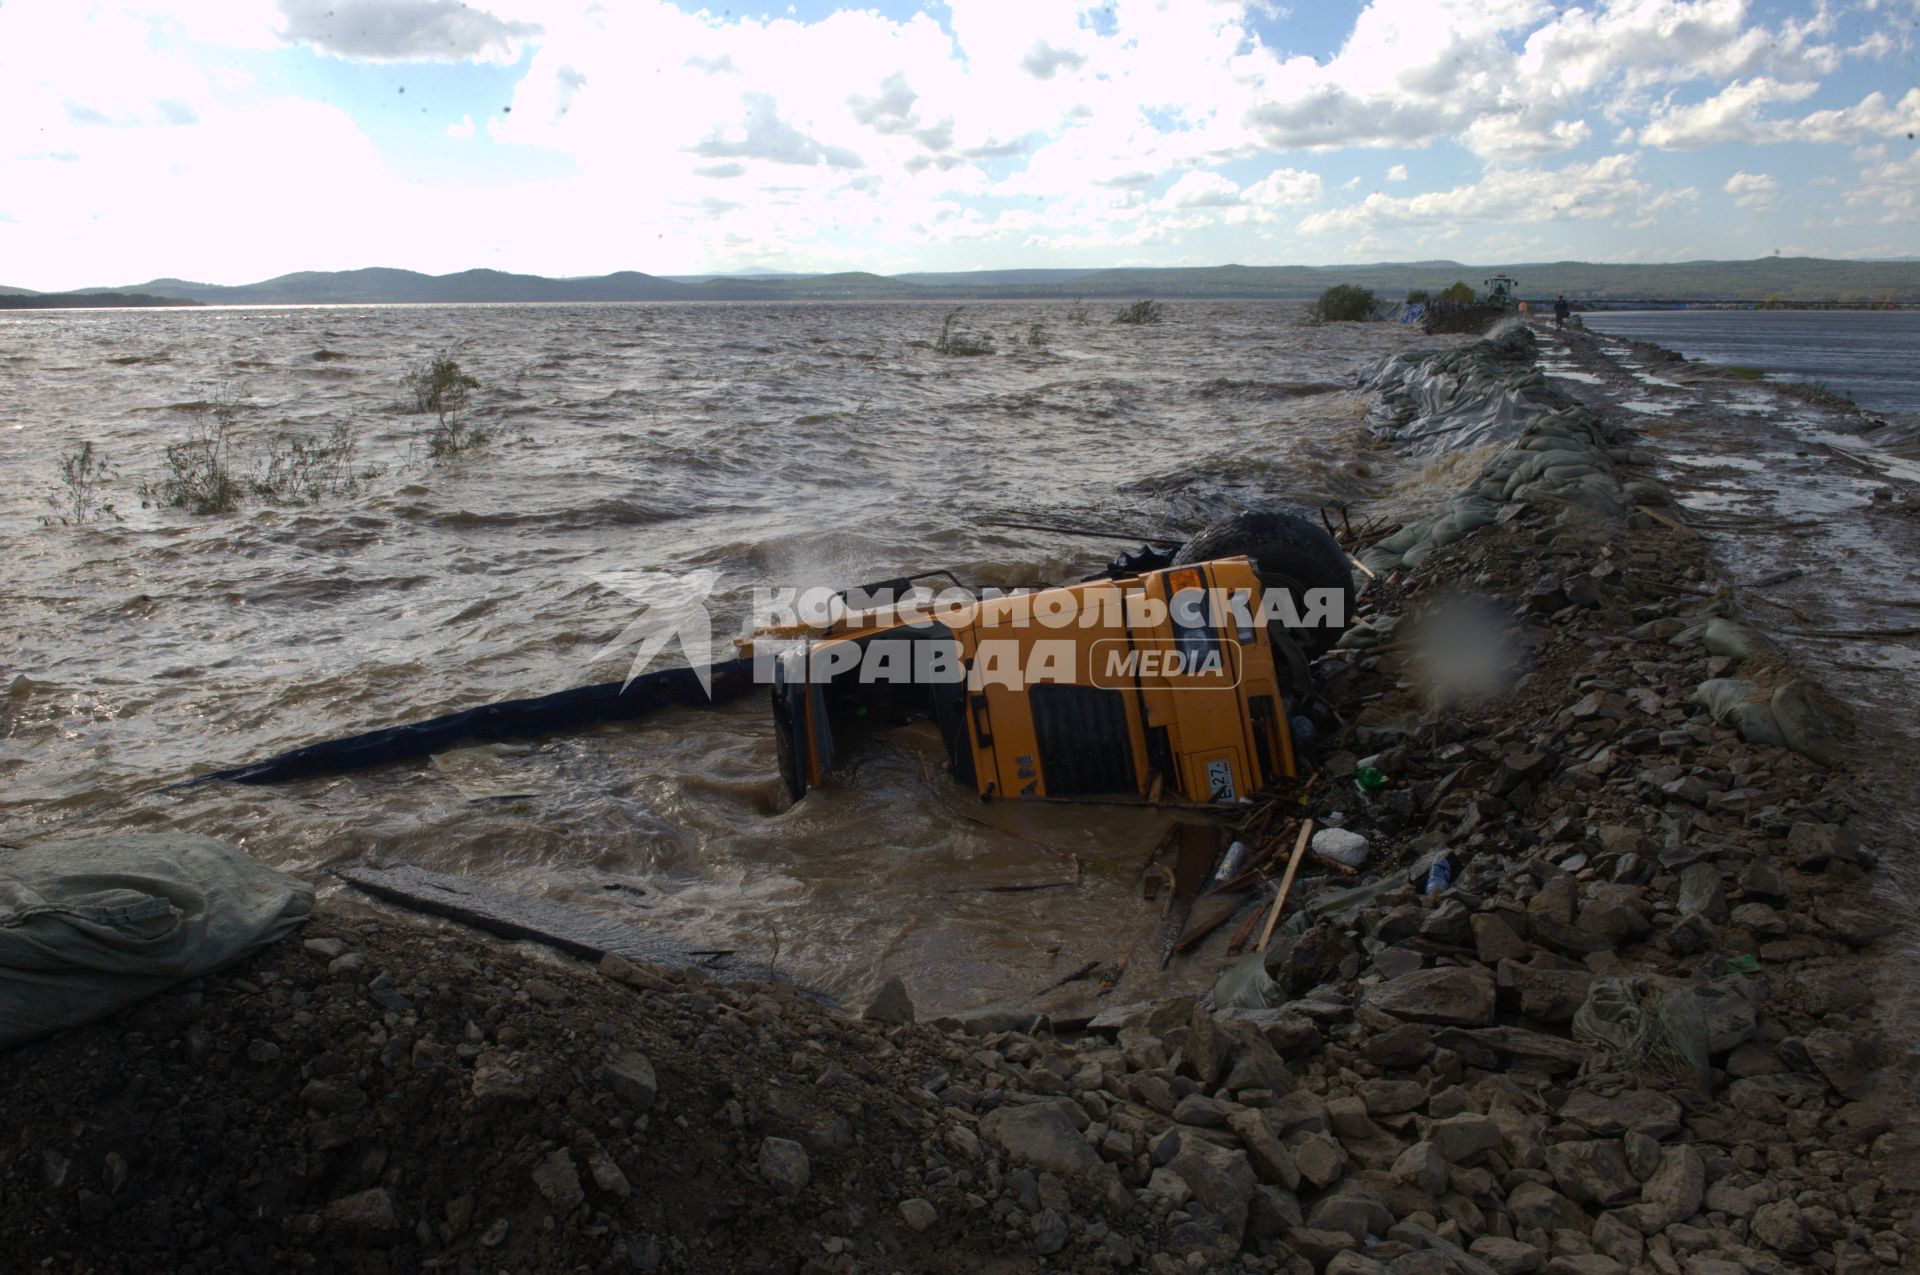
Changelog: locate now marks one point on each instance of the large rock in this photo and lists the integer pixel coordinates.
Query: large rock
(1452, 996)
(367, 1216)
(1507, 1256)
(1541, 1208)
(890, 1004)
(1355, 1209)
(629, 1074)
(1042, 1134)
(785, 1167)
(1205, 1052)
(1495, 941)
(1783, 1227)
(1645, 1111)
(1728, 1016)
(1703, 892)
(556, 1178)
(1678, 1184)
(1422, 1167)
(1257, 1065)
(1547, 994)
(1204, 1112)
(1463, 1138)
(1583, 1264)
(1270, 1159)
(1811, 845)
(1272, 1212)
(1593, 1172)
(1839, 1058)
(1320, 1159)
(1220, 1178)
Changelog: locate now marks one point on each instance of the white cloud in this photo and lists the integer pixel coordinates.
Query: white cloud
(1604, 188)
(404, 30)
(1891, 188)
(1731, 115)
(1756, 192)
(704, 140)
(1734, 115)
(1202, 190)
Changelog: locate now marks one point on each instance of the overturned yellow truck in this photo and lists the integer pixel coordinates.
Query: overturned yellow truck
(1173, 681)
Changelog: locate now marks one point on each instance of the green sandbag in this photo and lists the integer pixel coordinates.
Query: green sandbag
(1722, 637)
(1803, 726)
(1245, 984)
(1736, 702)
(90, 926)
(1657, 630)
(1644, 1024)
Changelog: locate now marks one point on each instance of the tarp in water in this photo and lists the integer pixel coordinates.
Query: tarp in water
(91, 926)
(563, 710)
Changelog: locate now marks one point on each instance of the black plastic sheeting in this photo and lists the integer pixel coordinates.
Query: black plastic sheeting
(545, 715)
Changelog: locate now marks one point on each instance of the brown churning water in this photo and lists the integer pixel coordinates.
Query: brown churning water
(794, 445)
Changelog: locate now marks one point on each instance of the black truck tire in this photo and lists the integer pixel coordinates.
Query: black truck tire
(1290, 552)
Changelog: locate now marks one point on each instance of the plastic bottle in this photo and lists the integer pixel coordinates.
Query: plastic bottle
(1440, 875)
(1230, 864)
(1367, 781)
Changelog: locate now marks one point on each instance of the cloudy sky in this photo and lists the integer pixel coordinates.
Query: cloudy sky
(232, 140)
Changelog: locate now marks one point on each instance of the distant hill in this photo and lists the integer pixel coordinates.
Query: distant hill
(1785, 279)
(21, 299)
(994, 278)
(385, 286)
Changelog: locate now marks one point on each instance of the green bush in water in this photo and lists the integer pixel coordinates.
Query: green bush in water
(1343, 303)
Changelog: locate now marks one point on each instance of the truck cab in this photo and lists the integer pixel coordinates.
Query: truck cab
(1165, 683)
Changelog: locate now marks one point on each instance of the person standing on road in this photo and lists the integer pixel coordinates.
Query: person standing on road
(1560, 311)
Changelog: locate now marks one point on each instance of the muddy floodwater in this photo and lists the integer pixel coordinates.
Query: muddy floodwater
(774, 445)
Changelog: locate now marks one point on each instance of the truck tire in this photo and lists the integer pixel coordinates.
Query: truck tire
(1289, 552)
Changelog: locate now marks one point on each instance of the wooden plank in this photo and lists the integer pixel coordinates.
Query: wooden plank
(1195, 853)
(1212, 912)
(1666, 519)
(1286, 885)
(573, 930)
(1244, 931)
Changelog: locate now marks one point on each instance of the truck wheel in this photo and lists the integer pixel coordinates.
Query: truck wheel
(1289, 552)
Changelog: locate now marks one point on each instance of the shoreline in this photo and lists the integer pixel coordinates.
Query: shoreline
(1420, 1089)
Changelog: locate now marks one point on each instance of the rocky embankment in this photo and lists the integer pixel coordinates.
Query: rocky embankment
(1634, 1034)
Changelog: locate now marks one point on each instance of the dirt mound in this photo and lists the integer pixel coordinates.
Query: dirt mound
(382, 1096)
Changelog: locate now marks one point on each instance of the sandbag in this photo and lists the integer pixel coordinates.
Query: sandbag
(1739, 703)
(1245, 984)
(1803, 726)
(91, 926)
(1721, 637)
(1639, 1024)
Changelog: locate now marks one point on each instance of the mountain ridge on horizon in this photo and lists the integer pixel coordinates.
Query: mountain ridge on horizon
(1760, 279)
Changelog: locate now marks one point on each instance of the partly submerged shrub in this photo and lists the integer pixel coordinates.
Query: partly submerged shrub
(1343, 303)
(955, 340)
(1140, 312)
(438, 385)
(200, 477)
(216, 466)
(454, 435)
(83, 472)
(300, 469)
(1459, 292)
